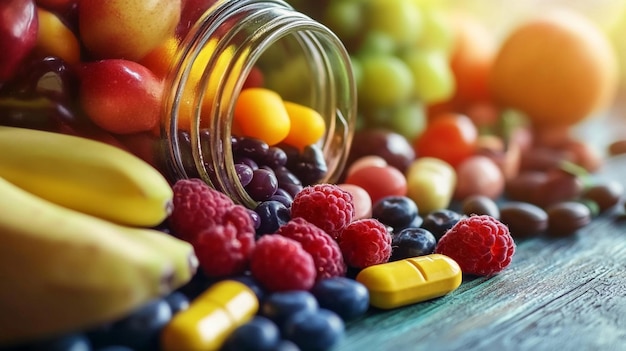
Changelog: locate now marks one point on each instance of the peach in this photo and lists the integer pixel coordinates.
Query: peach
(127, 29)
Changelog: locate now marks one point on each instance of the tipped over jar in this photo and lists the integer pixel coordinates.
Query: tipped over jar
(252, 96)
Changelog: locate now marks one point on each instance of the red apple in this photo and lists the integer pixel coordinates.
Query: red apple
(126, 29)
(120, 96)
(18, 34)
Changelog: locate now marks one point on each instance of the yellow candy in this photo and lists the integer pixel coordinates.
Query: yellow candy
(307, 125)
(430, 183)
(210, 318)
(399, 283)
(261, 113)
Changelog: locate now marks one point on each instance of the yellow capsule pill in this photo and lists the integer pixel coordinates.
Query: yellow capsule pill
(210, 318)
(404, 282)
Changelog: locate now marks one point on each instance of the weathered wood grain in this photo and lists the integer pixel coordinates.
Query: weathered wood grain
(558, 294)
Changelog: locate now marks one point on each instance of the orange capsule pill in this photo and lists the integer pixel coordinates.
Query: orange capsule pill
(404, 282)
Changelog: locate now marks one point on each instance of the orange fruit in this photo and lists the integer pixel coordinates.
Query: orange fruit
(557, 68)
(471, 61)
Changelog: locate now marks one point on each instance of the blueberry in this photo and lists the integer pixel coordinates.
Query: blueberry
(283, 199)
(258, 334)
(439, 221)
(412, 242)
(140, 330)
(314, 330)
(286, 345)
(177, 301)
(397, 212)
(68, 342)
(344, 296)
(279, 306)
(272, 214)
(253, 284)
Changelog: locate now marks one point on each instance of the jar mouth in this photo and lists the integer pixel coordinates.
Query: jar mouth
(300, 59)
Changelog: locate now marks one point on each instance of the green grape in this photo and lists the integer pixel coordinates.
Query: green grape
(344, 18)
(408, 120)
(432, 76)
(375, 42)
(437, 31)
(386, 81)
(357, 72)
(400, 19)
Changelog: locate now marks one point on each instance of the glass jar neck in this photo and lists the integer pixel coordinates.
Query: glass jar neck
(214, 60)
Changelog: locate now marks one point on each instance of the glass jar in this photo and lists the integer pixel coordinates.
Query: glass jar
(300, 59)
(218, 45)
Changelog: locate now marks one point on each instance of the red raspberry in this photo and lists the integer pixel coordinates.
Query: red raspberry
(281, 264)
(221, 232)
(221, 252)
(365, 242)
(324, 249)
(196, 206)
(325, 205)
(480, 244)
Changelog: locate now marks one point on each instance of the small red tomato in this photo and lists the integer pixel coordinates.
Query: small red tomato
(379, 181)
(450, 137)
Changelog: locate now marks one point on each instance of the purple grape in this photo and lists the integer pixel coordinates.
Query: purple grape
(311, 166)
(244, 173)
(49, 77)
(263, 184)
(275, 157)
(249, 147)
(248, 162)
(288, 181)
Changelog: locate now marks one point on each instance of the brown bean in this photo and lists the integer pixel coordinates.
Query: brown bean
(605, 195)
(558, 187)
(565, 218)
(523, 219)
(541, 158)
(617, 147)
(480, 205)
(521, 187)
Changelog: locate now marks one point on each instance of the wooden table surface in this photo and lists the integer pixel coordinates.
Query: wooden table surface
(557, 295)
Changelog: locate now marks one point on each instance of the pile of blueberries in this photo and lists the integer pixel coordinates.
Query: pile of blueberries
(287, 321)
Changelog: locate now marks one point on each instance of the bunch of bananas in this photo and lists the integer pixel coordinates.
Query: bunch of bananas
(76, 248)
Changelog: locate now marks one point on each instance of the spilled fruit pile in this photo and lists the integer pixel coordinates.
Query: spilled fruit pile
(101, 251)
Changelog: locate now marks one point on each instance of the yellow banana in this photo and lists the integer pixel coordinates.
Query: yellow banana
(185, 261)
(63, 270)
(85, 175)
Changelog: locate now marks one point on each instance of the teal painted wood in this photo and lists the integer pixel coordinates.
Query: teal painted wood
(558, 294)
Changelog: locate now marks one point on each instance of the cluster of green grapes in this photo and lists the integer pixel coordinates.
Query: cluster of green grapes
(400, 52)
